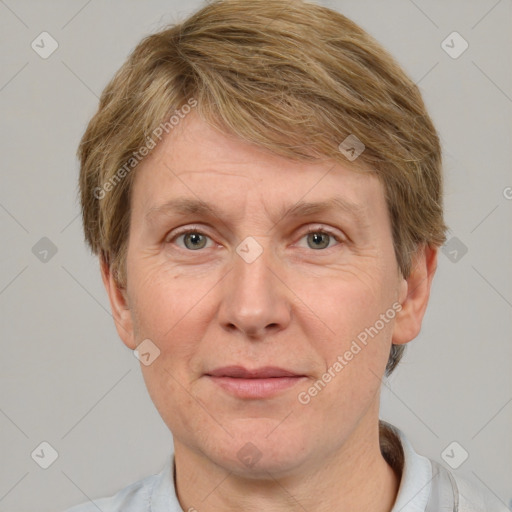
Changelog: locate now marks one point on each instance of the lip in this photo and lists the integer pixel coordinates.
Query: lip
(239, 372)
(260, 383)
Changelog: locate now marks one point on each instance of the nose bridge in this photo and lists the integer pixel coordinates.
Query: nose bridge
(255, 301)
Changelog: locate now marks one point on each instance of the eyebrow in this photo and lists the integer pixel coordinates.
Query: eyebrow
(188, 206)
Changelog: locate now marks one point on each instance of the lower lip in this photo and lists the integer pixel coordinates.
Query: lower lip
(255, 388)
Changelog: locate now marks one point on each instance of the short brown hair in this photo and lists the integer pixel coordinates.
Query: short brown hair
(292, 77)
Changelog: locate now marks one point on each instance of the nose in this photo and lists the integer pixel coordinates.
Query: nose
(255, 300)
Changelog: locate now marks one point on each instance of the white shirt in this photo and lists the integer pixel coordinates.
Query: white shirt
(425, 486)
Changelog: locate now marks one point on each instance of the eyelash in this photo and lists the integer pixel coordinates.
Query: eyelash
(310, 230)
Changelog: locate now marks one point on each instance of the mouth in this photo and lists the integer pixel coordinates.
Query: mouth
(254, 384)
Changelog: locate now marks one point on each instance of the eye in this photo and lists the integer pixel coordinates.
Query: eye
(192, 239)
(320, 239)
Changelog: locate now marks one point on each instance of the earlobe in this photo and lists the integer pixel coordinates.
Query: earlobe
(415, 293)
(119, 305)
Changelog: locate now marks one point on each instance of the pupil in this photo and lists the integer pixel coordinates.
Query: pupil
(194, 240)
(318, 238)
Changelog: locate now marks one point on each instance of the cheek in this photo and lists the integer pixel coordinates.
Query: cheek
(170, 311)
(169, 391)
(353, 355)
(355, 350)
(345, 306)
(164, 301)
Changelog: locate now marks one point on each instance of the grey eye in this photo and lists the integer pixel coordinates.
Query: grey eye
(318, 240)
(194, 241)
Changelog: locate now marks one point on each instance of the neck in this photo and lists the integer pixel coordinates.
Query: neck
(355, 477)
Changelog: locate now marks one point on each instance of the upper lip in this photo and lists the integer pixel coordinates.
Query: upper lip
(240, 372)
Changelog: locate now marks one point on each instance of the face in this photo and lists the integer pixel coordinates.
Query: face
(270, 288)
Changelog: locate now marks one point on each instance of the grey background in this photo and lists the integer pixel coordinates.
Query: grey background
(67, 379)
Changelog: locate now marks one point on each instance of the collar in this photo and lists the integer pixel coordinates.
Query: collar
(424, 485)
(414, 471)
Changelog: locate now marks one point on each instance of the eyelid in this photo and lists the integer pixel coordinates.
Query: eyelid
(318, 228)
(184, 231)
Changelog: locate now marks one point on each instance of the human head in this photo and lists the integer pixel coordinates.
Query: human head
(244, 68)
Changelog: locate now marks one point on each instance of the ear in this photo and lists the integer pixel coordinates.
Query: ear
(119, 305)
(414, 295)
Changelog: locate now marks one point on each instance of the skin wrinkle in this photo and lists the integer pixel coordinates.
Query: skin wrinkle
(181, 206)
(268, 131)
(155, 215)
(294, 308)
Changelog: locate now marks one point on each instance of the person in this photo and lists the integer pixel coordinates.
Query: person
(263, 186)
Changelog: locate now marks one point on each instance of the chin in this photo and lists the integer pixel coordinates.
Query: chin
(260, 448)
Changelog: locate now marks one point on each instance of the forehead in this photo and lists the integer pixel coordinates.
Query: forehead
(196, 163)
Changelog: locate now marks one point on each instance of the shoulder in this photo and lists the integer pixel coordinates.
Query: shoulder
(428, 486)
(135, 497)
(474, 497)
